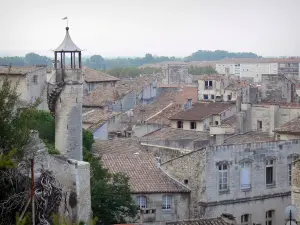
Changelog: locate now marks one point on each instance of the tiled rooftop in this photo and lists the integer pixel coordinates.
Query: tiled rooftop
(249, 137)
(210, 77)
(231, 121)
(168, 133)
(166, 105)
(201, 110)
(19, 70)
(292, 127)
(91, 75)
(144, 175)
(117, 146)
(100, 96)
(211, 221)
(94, 116)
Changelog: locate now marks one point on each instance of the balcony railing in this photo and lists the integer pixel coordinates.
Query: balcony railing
(208, 87)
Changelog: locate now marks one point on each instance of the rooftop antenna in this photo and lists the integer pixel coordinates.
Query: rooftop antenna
(66, 18)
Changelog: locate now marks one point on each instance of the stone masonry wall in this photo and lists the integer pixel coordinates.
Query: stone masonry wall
(68, 121)
(296, 187)
(189, 169)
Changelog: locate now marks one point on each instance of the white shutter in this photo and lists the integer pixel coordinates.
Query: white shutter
(245, 178)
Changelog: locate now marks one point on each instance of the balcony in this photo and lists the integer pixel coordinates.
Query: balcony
(148, 215)
(208, 87)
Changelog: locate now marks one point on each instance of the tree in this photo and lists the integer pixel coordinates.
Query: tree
(96, 61)
(194, 70)
(36, 59)
(111, 196)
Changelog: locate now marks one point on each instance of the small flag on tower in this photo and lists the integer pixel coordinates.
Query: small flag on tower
(65, 18)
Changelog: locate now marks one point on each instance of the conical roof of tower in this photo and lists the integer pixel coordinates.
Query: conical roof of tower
(67, 45)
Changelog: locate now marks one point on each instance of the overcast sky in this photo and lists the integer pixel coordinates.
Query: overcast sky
(161, 27)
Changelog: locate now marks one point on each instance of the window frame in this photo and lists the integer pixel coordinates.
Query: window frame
(167, 202)
(193, 123)
(248, 216)
(270, 219)
(141, 201)
(222, 186)
(268, 164)
(204, 95)
(249, 166)
(179, 122)
(35, 79)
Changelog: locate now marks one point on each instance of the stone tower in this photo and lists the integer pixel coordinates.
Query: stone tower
(65, 95)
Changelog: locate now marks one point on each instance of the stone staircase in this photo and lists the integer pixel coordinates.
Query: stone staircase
(53, 94)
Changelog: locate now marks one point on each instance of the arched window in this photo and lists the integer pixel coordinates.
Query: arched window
(141, 201)
(246, 219)
(167, 202)
(245, 175)
(270, 215)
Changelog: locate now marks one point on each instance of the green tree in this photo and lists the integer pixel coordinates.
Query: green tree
(194, 70)
(111, 196)
(36, 59)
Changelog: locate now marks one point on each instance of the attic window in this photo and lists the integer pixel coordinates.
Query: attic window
(186, 181)
(35, 79)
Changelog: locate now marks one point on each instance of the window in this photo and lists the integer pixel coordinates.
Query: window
(245, 175)
(270, 217)
(212, 96)
(270, 173)
(35, 79)
(179, 124)
(229, 97)
(193, 125)
(291, 159)
(245, 219)
(208, 84)
(216, 123)
(259, 125)
(205, 97)
(141, 201)
(90, 86)
(223, 177)
(167, 202)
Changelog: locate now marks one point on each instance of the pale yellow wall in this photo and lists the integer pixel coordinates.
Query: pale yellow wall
(286, 137)
(86, 125)
(216, 118)
(217, 89)
(22, 86)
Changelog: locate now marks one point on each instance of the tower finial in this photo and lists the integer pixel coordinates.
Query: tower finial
(66, 18)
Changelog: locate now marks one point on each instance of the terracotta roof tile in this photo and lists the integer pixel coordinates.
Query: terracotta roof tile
(144, 175)
(19, 70)
(168, 133)
(292, 127)
(94, 116)
(210, 77)
(202, 110)
(91, 75)
(249, 137)
(211, 221)
(231, 121)
(166, 105)
(117, 146)
(102, 96)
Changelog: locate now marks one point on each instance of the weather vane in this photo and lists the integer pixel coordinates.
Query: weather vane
(66, 18)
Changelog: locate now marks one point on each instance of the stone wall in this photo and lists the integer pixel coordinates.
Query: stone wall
(189, 169)
(177, 74)
(237, 200)
(296, 187)
(68, 121)
(277, 88)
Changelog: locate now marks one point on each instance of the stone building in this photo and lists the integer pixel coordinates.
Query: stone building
(93, 79)
(212, 87)
(30, 81)
(277, 88)
(252, 181)
(202, 115)
(65, 93)
(177, 74)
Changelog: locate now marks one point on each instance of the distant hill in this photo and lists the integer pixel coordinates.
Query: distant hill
(204, 55)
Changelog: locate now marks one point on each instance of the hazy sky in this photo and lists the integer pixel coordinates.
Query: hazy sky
(161, 27)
